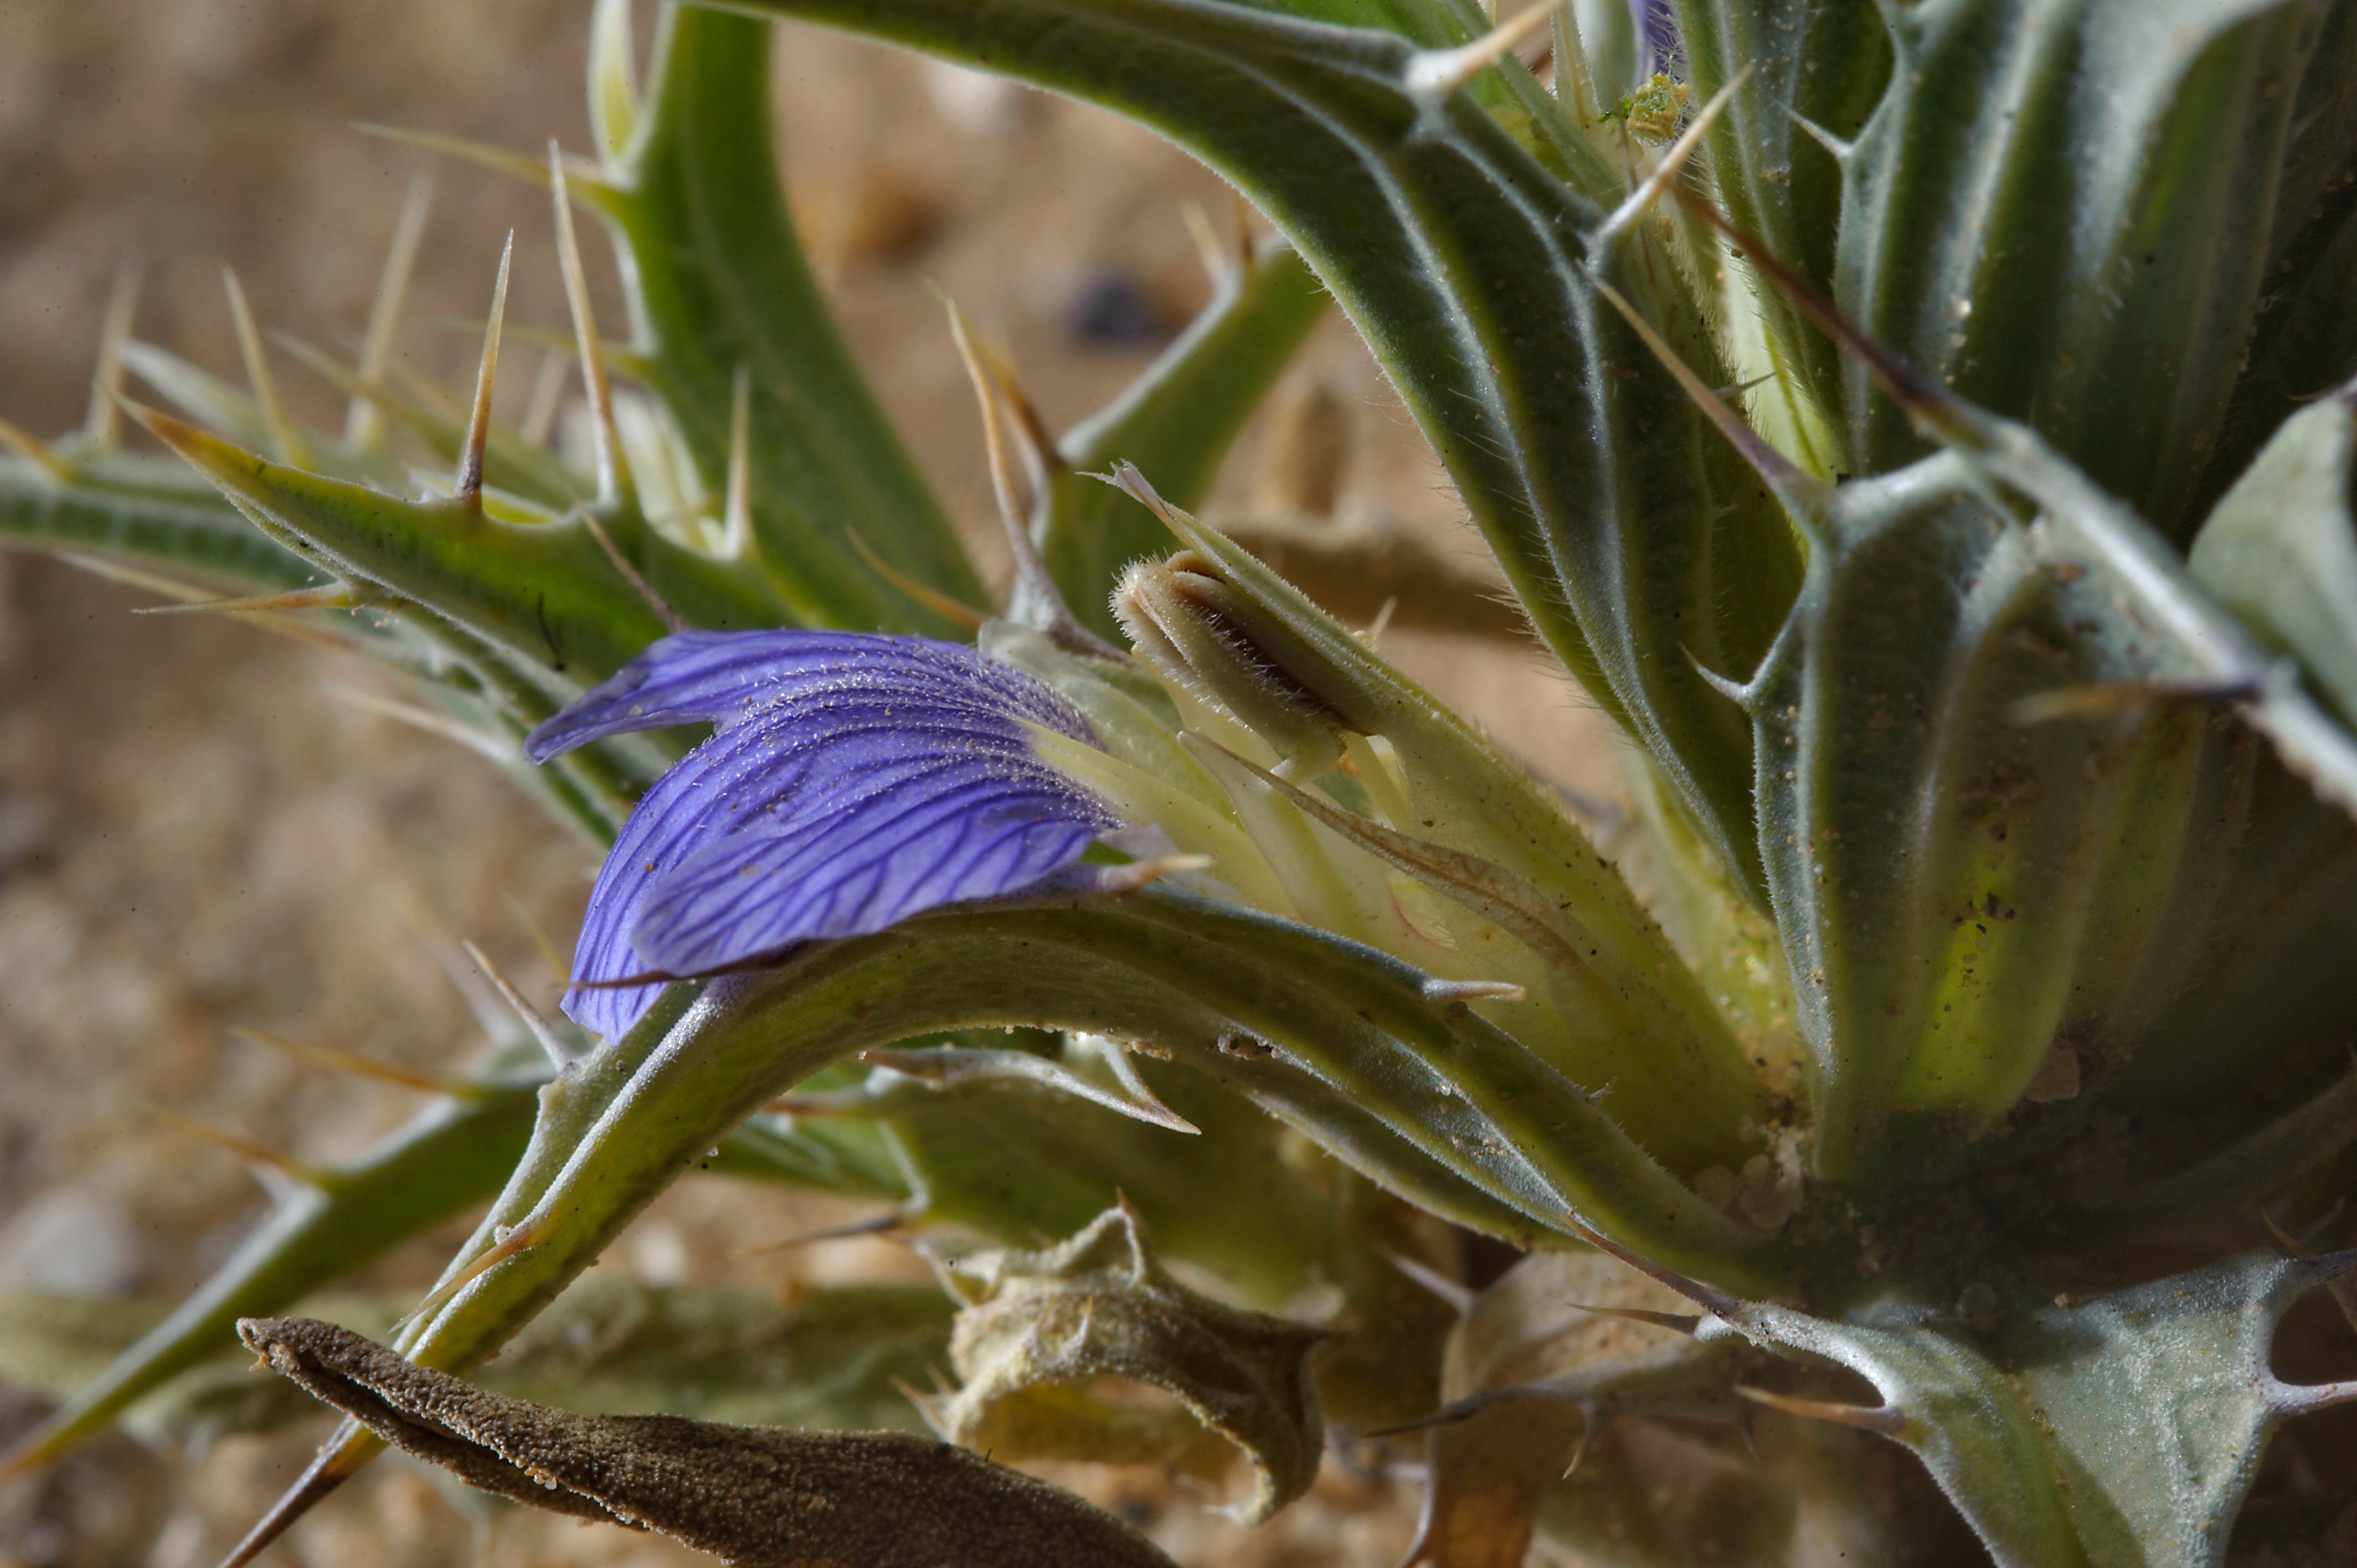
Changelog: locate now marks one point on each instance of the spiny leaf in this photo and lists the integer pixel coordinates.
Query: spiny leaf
(2067, 212)
(543, 591)
(2122, 1428)
(1572, 451)
(718, 282)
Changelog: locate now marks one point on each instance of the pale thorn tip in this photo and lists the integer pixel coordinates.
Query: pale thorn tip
(547, 399)
(469, 488)
(339, 1458)
(1840, 149)
(1472, 991)
(885, 1224)
(1716, 1301)
(957, 612)
(519, 1238)
(280, 1174)
(671, 620)
(1032, 598)
(538, 935)
(1734, 691)
(102, 425)
(560, 1055)
(1434, 74)
(613, 469)
(35, 451)
(1458, 1296)
(1218, 260)
(285, 443)
(1886, 1420)
(363, 1067)
(1685, 1323)
(1781, 474)
(493, 747)
(736, 507)
(324, 597)
(364, 420)
(1665, 172)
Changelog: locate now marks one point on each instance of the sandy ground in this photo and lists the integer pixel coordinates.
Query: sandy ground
(195, 835)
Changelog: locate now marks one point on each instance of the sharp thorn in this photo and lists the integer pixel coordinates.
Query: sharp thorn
(469, 488)
(560, 1055)
(102, 425)
(736, 508)
(1472, 991)
(490, 1014)
(671, 620)
(884, 1224)
(1929, 405)
(522, 1239)
(271, 1166)
(1773, 466)
(365, 1067)
(324, 597)
(1734, 691)
(1434, 74)
(957, 612)
(1218, 258)
(1684, 1323)
(1840, 149)
(537, 934)
(189, 593)
(1665, 172)
(1716, 1301)
(1032, 598)
(327, 1472)
(364, 421)
(547, 399)
(1587, 1425)
(1460, 1297)
(613, 470)
(522, 166)
(493, 747)
(285, 445)
(35, 450)
(1887, 1421)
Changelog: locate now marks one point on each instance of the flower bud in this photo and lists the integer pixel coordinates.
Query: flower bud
(1219, 647)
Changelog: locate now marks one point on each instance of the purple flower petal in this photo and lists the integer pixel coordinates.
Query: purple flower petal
(855, 780)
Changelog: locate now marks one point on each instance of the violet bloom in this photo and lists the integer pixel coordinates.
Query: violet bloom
(853, 780)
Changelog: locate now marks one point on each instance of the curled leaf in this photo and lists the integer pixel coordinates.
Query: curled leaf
(757, 1496)
(1041, 1330)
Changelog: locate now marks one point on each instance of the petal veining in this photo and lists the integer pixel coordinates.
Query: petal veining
(852, 780)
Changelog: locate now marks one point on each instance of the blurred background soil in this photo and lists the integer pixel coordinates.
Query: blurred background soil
(196, 833)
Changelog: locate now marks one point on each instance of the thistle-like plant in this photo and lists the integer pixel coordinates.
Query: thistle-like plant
(1928, 436)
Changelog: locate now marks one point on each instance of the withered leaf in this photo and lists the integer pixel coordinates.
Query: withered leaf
(1533, 1380)
(760, 1496)
(1042, 1331)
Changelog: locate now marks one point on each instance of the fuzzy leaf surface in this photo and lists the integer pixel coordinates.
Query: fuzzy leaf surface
(2121, 1430)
